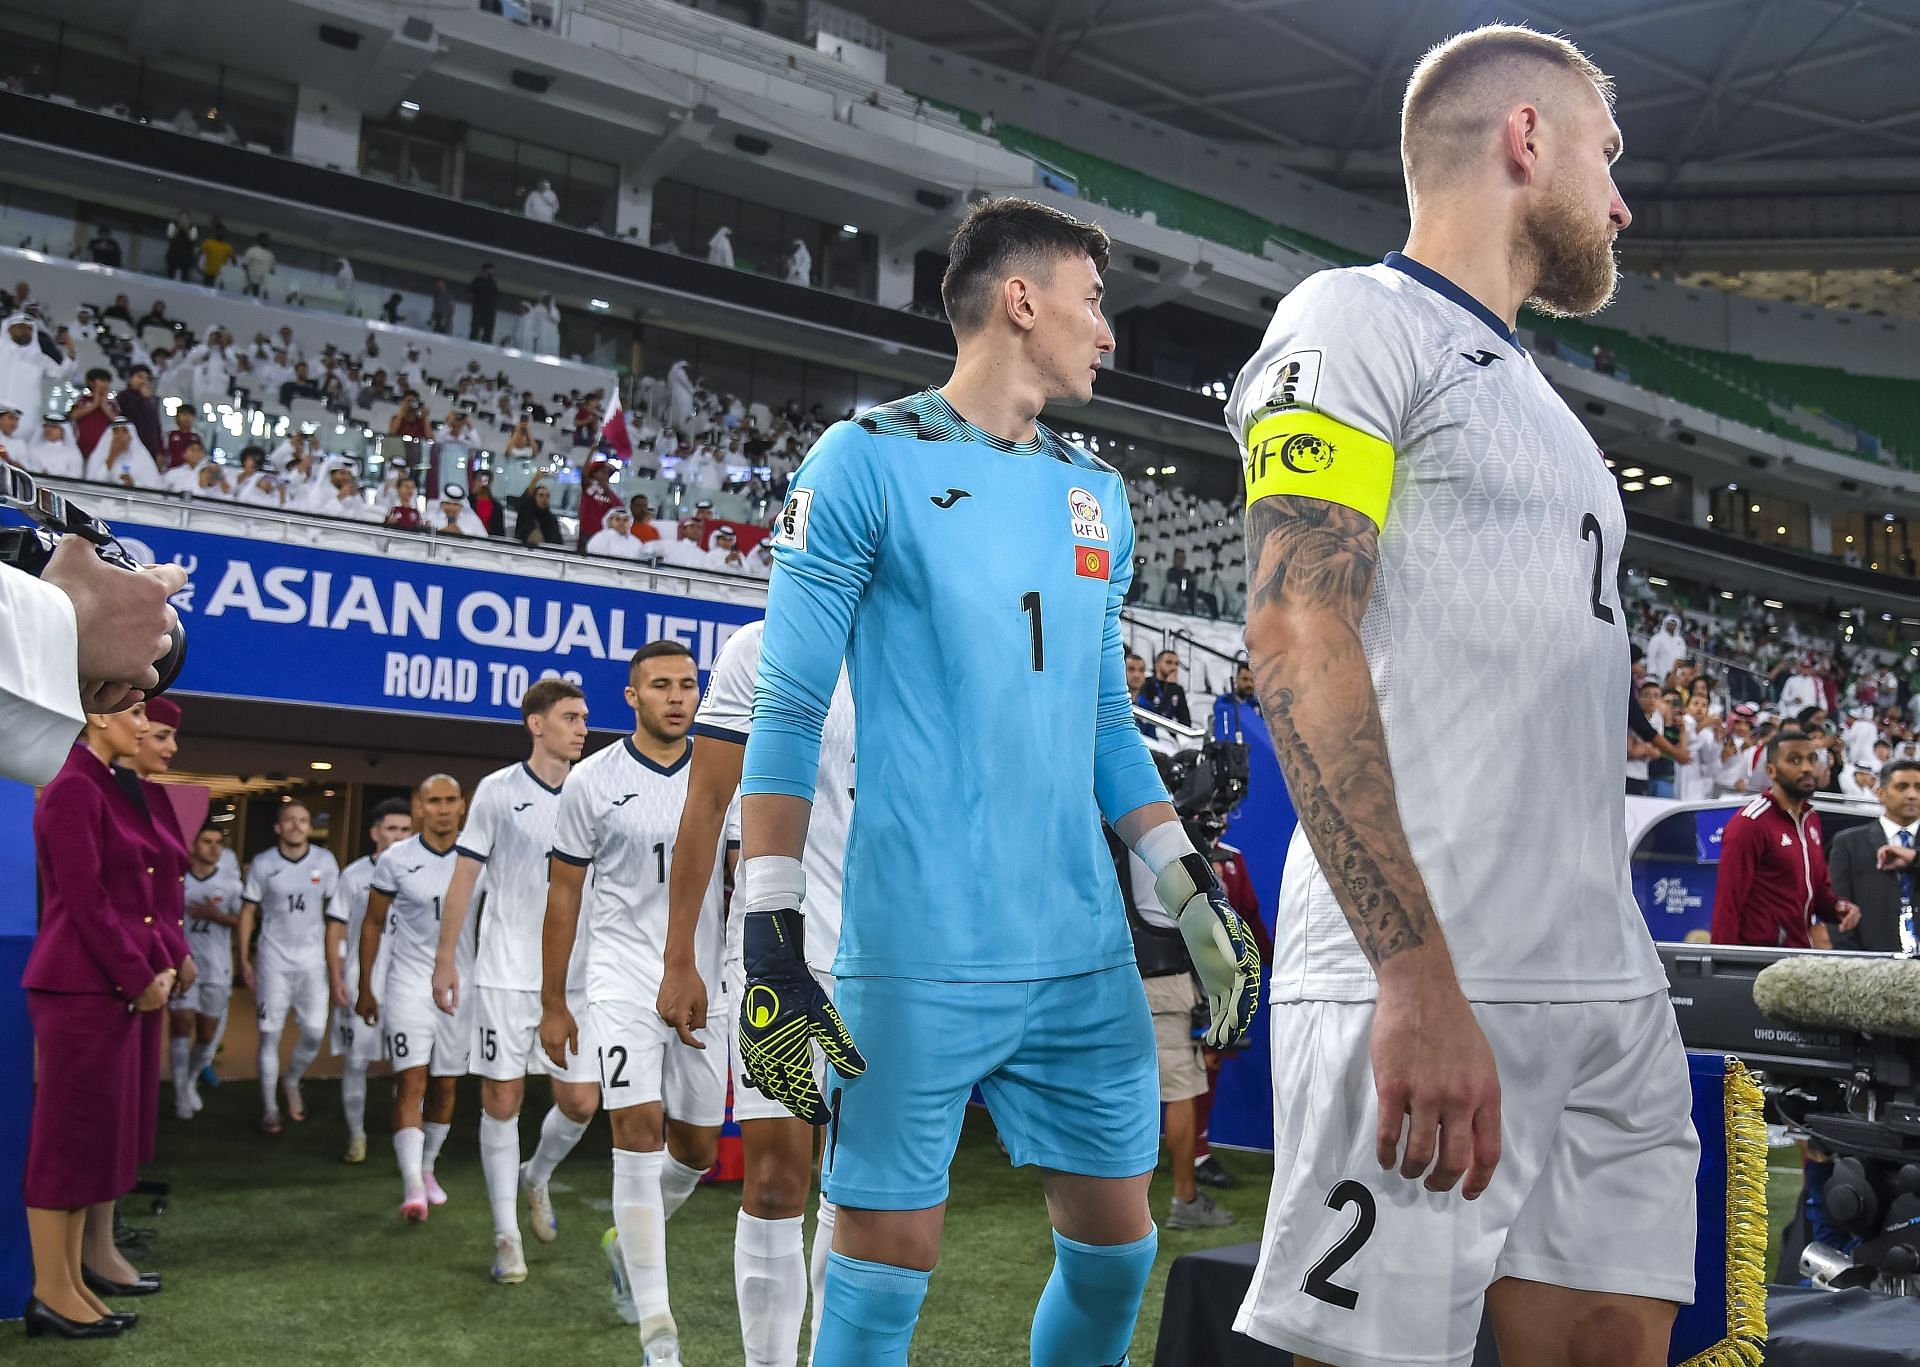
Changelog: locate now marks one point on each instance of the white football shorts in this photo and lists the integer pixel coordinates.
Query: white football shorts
(353, 1038)
(1594, 1189)
(641, 1059)
(302, 990)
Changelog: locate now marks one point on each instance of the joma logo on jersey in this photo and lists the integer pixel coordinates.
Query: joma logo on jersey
(1304, 453)
(1087, 522)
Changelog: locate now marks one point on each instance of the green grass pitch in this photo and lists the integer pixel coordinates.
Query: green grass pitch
(275, 1251)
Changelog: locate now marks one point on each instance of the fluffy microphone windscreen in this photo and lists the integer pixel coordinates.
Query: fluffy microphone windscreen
(1872, 996)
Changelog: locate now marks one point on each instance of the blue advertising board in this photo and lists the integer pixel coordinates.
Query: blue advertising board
(1709, 827)
(337, 628)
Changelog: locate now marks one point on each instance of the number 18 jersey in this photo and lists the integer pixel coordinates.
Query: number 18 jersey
(1494, 636)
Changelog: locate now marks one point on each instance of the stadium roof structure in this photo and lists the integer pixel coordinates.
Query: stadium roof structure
(1800, 110)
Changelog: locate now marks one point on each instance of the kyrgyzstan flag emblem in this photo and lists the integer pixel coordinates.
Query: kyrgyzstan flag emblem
(1090, 562)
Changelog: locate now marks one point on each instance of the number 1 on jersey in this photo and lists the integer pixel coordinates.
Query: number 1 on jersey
(1030, 604)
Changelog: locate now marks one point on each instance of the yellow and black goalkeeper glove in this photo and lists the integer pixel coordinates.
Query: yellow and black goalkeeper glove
(1222, 950)
(785, 1009)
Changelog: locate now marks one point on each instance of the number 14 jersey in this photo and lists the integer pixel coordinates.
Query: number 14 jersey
(1494, 635)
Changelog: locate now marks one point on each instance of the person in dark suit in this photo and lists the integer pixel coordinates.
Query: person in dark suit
(1872, 865)
(95, 968)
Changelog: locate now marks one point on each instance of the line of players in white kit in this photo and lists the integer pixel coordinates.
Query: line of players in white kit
(545, 928)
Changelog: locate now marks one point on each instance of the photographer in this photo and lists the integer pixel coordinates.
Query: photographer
(81, 638)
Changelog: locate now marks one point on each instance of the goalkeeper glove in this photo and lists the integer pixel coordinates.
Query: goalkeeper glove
(784, 1010)
(1222, 951)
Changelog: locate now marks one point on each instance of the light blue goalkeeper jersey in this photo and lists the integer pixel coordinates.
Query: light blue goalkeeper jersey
(973, 587)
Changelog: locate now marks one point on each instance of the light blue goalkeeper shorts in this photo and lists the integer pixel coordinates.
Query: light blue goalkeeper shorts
(1067, 1066)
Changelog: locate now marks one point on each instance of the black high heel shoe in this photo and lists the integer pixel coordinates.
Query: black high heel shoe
(101, 1286)
(126, 1319)
(42, 1319)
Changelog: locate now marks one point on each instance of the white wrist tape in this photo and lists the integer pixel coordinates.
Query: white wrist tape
(1162, 845)
(771, 882)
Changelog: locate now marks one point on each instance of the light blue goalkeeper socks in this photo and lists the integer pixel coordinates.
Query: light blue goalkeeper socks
(871, 1309)
(1086, 1314)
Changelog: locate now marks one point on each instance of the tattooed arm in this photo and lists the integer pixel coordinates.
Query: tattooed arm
(1310, 574)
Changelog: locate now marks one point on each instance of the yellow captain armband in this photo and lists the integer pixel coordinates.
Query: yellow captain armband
(1299, 451)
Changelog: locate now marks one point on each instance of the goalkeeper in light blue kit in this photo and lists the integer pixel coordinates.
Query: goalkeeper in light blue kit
(969, 567)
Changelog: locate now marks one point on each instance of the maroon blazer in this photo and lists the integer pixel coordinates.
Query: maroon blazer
(97, 853)
(170, 880)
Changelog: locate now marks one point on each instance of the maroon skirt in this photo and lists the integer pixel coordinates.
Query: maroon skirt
(84, 1144)
(147, 1113)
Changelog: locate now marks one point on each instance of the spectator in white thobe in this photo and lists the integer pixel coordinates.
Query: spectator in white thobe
(799, 264)
(541, 204)
(720, 247)
(616, 539)
(26, 368)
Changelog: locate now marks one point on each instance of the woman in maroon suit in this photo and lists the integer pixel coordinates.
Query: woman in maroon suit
(95, 966)
(105, 1269)
(153, 756)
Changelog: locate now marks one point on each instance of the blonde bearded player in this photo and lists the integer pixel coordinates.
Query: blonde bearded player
(1471, 993)
(772, 1273)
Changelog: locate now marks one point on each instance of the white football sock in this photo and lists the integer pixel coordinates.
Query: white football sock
(180, 1051)
(817, 1266)
(500, 1165)
(677, 1182)
(642, 1223)
(270, 1072)
(436, 1137)
(353, 1095)
(406, 1149)
(558, 1135)
(305, 1050)
(202, 1055)
(770, 1284)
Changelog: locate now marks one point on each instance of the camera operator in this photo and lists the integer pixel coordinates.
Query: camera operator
(81, 638)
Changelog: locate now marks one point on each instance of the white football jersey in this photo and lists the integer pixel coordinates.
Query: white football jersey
(620, 813)
(416, 876)
(211, 943)
(1497, 580)
(510, 830)
(726, 713)
(349, 905)
(292, 896)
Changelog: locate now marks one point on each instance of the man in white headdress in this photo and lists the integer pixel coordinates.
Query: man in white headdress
(27, 366)
(54, 452)
(679, 397)
(799, 264)
(452, 517)
(542, 204)
(122, 458)
(615, 537)
(720, 248)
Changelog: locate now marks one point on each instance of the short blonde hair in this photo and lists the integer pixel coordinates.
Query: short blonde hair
(1473, 78)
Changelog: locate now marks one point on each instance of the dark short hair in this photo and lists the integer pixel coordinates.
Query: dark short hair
(655, 650)
(538, 700)
(96, 373)
(1899, 766)
(1645, 684)
(209, 826)
(1159, 654)
(999, 236)
(1786, 735)
(393, 806)
(1804, 717)
(139, 369)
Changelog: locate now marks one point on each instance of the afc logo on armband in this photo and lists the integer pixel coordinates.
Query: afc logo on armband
(1303, 453)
